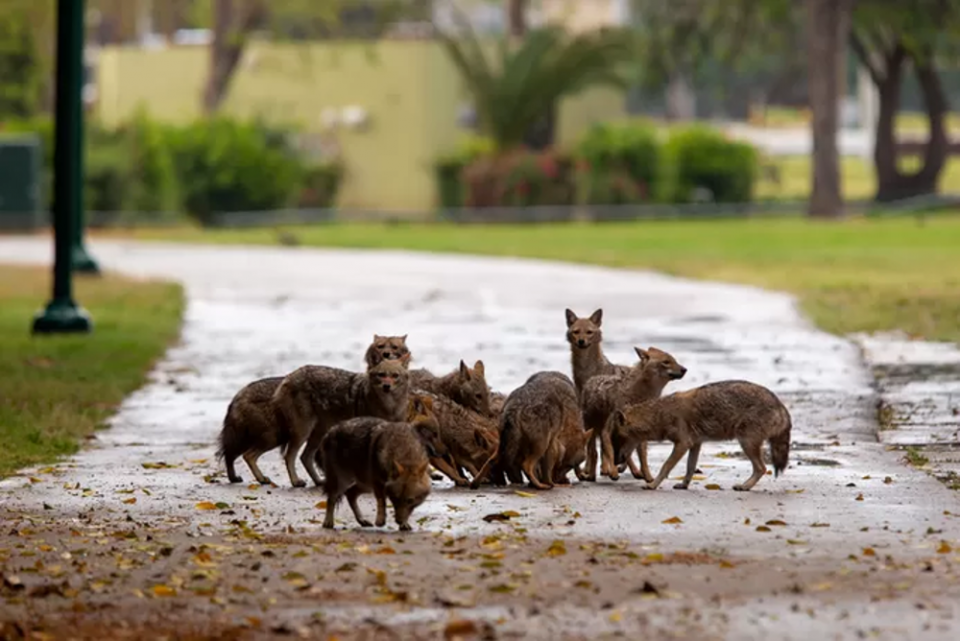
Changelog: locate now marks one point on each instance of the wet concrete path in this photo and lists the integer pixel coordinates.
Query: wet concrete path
(260, 311)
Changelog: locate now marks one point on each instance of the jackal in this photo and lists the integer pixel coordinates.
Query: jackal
(386, 348)
(718, 411)
(251, 427)
(464, 385)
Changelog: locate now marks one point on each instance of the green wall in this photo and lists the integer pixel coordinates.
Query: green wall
(410, 91)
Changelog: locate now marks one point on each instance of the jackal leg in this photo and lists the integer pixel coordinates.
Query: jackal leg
(590, 466)
(692, 459)
(290, 458)
(754, 452)
(447, 469)
(679, 449)
(251, 456)
(352, 494)
(381, 506)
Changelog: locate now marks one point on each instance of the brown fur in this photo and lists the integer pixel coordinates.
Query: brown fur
(497, 399)
(251, 427)
(386, 348)
(718, 411)
(464, 385)
(313, 399)
(533, 418)
(367, 454)
(586, 353)
(604, 394)
(469, 438)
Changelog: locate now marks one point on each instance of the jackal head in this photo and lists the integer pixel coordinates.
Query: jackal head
(407, 488)
(662, 364)
(386, 348)
(584, 332)
(473, 391)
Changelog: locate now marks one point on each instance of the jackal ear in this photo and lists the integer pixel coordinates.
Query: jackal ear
(597, 317)
(421, 469)
(426, 403)
(376, 337)
(403, 339)
(642, 354)
(417, 404)
(588, 435)
(478, 368)
(399, 468)
(571, 317)
(464, 371)
(405, 360)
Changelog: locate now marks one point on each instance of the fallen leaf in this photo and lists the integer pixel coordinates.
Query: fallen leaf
(557, 548)
(800, 491)
(130, 501)
(776, 522)
(795, 542)
(459, 628)
(583, 583)
(944, 548)
(206, 505)
(322, 505)
(726, 564)
(501, 588)
(746, 521)
(526, 495)
(869, 552)
(763, 528)
(673, 520)
(712, 486)
(615, 617)
(500, 517)
(859, 497)
(865, 478)
(161, 590)
(386, 549)
(819, 525)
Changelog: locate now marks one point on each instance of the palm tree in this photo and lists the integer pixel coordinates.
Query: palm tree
(519, 86)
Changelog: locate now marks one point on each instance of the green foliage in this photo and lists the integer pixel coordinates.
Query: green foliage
(20, 69)
(701, 158)
(619, 164)
(153, 179)
(108, 177)
(320, 184)
(226, 165)
(513, 94)
(448, 169)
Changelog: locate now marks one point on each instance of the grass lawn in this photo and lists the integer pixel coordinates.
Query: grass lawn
(857, 275)
(56, 390)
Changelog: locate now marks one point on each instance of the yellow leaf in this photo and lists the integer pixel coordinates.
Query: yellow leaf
(762, 528)
(34, 479)
(198, 461)
(206, 505)
(386, 550)
(163, 590)
(557, 548)
(776, 522)
(795, 542)
(859, 497)
(526, 495)
(130, 501)
(322, 505)
(800, 491)
(726, 564)
(869, 552)
(944, 548)
(672, 520)
(501, 588)
(511, 514)
(712, 486)
(615, 617)
(655, 557)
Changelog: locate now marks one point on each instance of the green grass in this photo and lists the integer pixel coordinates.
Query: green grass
(856, 275)
(56, 390)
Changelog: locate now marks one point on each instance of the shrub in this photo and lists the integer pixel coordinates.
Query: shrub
(619, 165)
(519, 179)
(448, 170)
(701, 158)
(226, 165)
(320, 184)
(108, 184)
(153, 179)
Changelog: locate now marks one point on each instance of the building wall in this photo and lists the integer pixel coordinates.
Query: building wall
(410, 91)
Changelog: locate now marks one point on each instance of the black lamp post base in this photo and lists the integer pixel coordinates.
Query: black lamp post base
(62, 317)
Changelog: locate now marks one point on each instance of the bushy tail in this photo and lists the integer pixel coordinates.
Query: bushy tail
(780, 449)
(230, 440)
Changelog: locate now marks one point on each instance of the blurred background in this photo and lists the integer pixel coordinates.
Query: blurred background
(248, 112)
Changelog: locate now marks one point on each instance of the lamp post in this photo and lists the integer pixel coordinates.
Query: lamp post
(62, 315)
(81, 259)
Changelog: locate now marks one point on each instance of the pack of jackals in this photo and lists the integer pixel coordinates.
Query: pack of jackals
(382, 430)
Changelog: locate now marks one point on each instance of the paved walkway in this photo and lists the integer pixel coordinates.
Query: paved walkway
(260, 311)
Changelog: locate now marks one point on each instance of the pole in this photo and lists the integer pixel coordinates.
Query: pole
(62, 315)
(82, 261)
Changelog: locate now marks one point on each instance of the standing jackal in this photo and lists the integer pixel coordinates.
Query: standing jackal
(314, 398)
(718, 411)
(368, 454)
(386, 348)
(605, 393)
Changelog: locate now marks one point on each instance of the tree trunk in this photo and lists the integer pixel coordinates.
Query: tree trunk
(681, 98)
(892, 183)
(516, 11)
(828, 26)
(231, 26)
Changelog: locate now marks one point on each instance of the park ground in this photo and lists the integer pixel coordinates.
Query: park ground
(139, 535)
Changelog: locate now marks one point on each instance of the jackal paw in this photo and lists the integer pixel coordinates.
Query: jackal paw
(265, 481)
(589, 478)
(405, 527)
(648, 486)
(299, 483)
(328, 525)
(364, 523)
(380, 522)
(235, 478)
(740, 488)
(680, 486)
